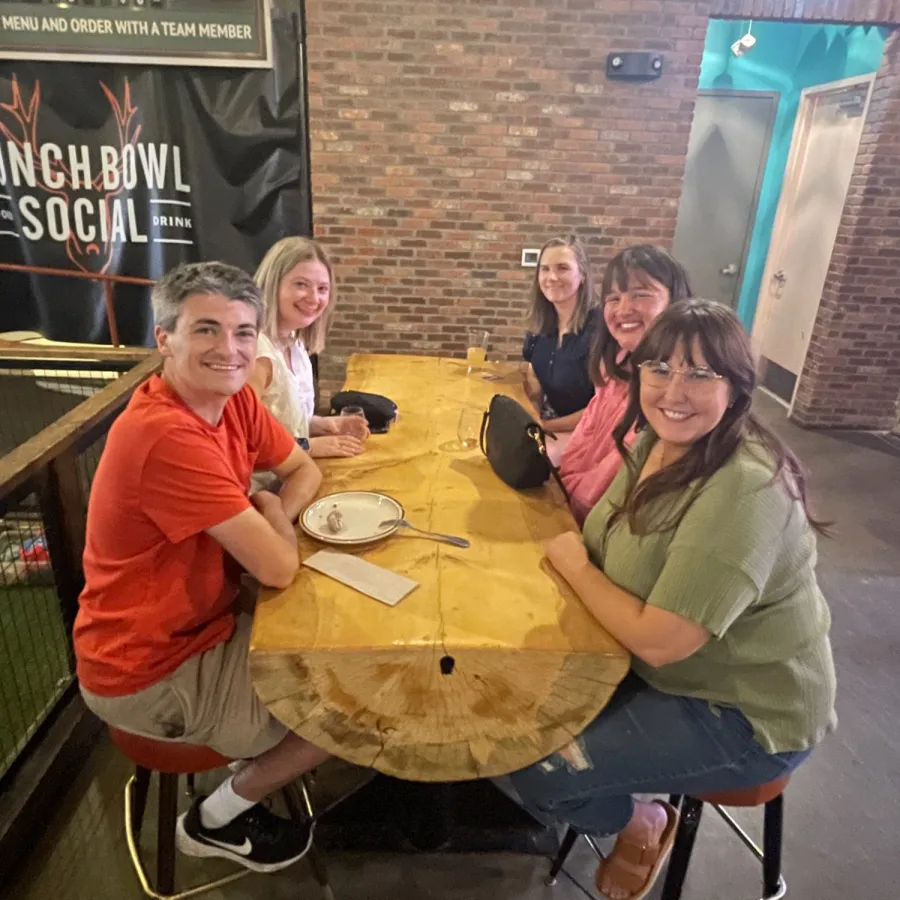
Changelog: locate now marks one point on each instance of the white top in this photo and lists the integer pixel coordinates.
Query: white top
(290, 396)
(304, 379)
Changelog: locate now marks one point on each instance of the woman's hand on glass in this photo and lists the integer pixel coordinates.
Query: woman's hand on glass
(325, 425)
(567, 553)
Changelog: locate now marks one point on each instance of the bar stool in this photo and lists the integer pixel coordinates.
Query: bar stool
(769, 795)
(170, 760)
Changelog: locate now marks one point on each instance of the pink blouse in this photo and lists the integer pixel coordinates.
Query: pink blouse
(591, 459)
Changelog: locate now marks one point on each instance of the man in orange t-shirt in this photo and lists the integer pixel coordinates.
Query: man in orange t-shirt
(161, 649)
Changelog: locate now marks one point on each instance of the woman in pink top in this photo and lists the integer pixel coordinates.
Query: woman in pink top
(639, 283)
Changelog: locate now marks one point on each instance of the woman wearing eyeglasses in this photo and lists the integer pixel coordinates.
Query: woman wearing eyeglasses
(700, 560)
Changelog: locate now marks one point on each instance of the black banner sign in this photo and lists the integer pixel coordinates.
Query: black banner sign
(226, 33)
(130, 170)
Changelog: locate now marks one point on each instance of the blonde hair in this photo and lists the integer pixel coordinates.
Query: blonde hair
(542, 317)
(281, 258)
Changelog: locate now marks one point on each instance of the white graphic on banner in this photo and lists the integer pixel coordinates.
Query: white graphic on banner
(78, 194)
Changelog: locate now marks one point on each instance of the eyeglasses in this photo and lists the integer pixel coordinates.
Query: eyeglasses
(657, 374)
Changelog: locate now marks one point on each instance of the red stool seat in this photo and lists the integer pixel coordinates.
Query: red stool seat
(753, 796)
(169, 760)
(171, 757)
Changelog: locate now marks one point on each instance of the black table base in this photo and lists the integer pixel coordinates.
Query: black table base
(387, 815)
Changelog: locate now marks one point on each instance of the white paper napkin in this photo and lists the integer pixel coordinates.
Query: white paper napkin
(365, 577)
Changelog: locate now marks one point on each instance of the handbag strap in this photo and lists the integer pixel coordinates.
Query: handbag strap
(540, 438)
(484, 425)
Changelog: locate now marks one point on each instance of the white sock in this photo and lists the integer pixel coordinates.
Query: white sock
(223, 805)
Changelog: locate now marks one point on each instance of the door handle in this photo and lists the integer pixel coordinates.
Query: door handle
(731, 269)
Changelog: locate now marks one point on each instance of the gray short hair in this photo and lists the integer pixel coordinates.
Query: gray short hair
(170, 292)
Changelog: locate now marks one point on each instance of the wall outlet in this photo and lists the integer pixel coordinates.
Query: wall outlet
(530, 258)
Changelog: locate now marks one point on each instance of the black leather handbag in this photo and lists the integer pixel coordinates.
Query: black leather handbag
(516, 445)
(380, 411)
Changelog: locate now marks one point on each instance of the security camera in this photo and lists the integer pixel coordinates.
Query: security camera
(743, 44)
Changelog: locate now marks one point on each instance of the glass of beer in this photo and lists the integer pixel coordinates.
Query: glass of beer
(476, 348)
(469, 427)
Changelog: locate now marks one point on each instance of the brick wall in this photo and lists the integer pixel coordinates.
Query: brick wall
(446, 137)
(852, 372)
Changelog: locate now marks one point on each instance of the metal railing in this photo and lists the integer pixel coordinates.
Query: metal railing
(44, 486)
(35, 391)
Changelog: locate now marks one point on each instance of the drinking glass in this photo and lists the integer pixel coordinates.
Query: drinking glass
(358, 429)
(469, 428)
(476, 348)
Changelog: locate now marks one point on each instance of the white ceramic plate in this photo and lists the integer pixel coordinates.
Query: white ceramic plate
(362, 512)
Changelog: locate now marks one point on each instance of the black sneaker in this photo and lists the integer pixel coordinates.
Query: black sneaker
(257, 839)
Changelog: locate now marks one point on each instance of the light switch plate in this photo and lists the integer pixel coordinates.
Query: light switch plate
(530, 258)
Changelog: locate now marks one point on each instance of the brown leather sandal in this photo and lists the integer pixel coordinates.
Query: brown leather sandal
(652, 858)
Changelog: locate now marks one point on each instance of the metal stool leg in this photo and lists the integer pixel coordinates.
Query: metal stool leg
(320, 871)
(691, 810)
(773, 829)
(168, 810)
(191, 786)
(774, 885)
(591, 841)
(141, 789)
(565, 848)
(165, 838)
(299, 803)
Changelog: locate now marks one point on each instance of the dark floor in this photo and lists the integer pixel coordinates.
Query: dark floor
(842, 806)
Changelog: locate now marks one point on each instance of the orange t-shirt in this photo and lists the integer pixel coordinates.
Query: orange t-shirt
(156, 587)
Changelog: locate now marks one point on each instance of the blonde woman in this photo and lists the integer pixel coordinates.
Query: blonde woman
(297, 284)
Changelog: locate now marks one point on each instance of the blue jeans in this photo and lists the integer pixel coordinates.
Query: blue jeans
(644, 742)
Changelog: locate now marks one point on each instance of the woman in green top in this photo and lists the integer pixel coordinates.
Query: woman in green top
(700, 560)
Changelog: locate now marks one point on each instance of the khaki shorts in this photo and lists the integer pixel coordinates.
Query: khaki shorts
(209, 699)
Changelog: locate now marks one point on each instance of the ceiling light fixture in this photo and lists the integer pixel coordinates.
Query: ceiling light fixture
(744, 44)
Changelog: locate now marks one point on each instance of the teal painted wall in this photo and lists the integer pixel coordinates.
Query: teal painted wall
(788, 57)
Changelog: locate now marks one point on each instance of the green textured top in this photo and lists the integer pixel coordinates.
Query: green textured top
(741, 563)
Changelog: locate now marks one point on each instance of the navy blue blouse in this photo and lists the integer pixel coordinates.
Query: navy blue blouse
(562, 369)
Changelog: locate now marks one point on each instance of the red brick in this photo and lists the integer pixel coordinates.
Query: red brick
(445, 139)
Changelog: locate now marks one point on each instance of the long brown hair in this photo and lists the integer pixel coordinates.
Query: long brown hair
(641, 262)
(542, 317)
(726, 349)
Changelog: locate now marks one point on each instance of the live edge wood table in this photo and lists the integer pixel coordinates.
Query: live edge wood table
(490, 665)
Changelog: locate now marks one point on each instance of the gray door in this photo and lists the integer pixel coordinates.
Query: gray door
(727, 154)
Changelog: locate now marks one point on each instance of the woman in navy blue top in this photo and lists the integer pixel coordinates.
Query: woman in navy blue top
(557, 344)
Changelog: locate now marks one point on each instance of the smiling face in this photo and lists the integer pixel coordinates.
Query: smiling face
(630, 309)
(303, 295)
(559, 276)
(209, 353)
(681, 409)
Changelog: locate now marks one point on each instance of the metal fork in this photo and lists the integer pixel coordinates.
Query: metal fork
(447, 538)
